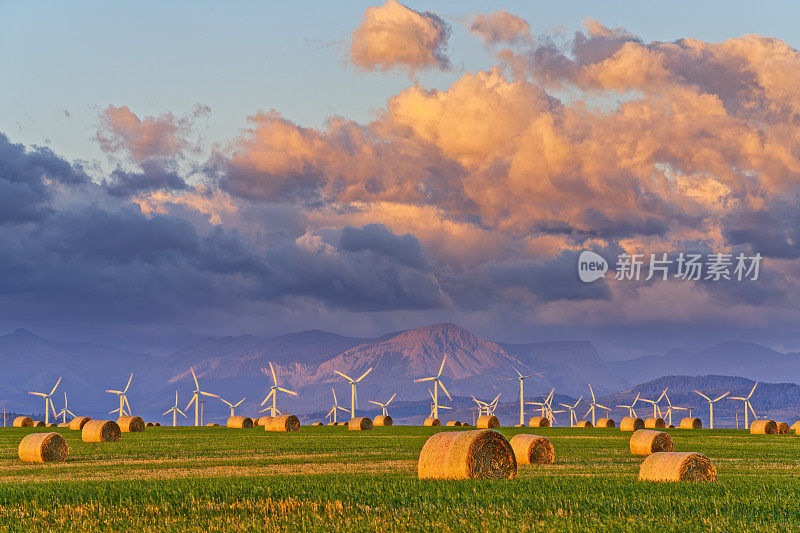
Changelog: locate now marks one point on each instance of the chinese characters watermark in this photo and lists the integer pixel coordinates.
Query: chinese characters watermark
(686, 266)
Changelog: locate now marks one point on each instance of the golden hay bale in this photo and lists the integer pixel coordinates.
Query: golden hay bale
(432, 422)
(583, 424)
(43, 448)
(539, 422)
(383, 420)
(475, 454)
(454, 423)
(158, 424)
(360, 423)
(150, 425)
(239, 422)
(532, 449)
(691, 423)
(101, 431)
(63, 424)
(783, 428)
(654, 423)
(647, 441)
(630, 423)
(23, 422)
(333, 423)
(764, 427)
(466, 425)
(677, 466)
(264, 420)
(794, 427)
(212, 425)
(606, 423)
(317, 424)
(130, 424)
(78, 422)
(283, 423)
(39, 424)
(53, 424)
(487, 421)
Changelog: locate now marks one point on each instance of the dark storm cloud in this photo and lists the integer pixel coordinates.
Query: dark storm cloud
(378, 239)
(152, 175)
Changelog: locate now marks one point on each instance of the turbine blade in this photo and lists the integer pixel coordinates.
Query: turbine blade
(345, 376)
(54, 388)
(364, 375)
(442, 366)
(196, 384)
(209, 394)
(431, 393)
(334, 396)
(390, 399)
(239, 402)
(112, 391)
(425, 379)
(602, 406)
(43, 395)
(268, 396)
(184, 414)
(441, 384)
(274, 378)
(753, 389)
(750, 405)
(287, 391)
(376, 403)
(721, 397)
(165, 412)
(519, 374)
(592, 391)
(703, 395)
(576, 403)
(129, 383)
(70, 412)
(194, 399)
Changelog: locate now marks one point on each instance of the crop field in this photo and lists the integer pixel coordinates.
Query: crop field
(328, 478)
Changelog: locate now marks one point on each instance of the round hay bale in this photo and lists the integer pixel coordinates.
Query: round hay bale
(63, 424)
(317, 424)
(23, 422)
(39, 424)
(454, 423)
(677, 466)
(360, 423)
(783, 428)
(583, 424)
(647, 441)
(101, 431)
(78, 422)
(53, 424)
(630, 423)
(150, 425)
(794, 427)
(487, 422)
(475, 454)
(264, 420)
(606, 423)
(466, 425)
(432, 422)
(532, 449)
(654, 423)
(691, 423)
(764, 427)
(212, 425)
(158, 424)
(333, 423)
(539, 422)
(43, 448)
(671, 426)
(283, 423)
(239, 422)
(130, 424)
(383, 420)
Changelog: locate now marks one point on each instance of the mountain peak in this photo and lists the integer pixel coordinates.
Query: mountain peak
(22, 333)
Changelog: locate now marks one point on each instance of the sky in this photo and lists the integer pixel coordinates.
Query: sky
(362, 167)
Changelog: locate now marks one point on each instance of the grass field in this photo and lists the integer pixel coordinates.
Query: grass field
(326, 478)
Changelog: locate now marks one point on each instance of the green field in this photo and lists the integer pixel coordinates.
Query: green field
(327, 478)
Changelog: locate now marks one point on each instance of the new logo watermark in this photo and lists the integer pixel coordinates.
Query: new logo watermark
(591, 266)
(684, 266)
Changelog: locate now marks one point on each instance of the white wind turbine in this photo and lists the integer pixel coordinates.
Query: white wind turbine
(656, 410)
(631, 408)
(522, 379)
(747, 405)
(594, 406)
(493, 405)
(196, 399)
(175, 410)
(481, 405)
(384, 412)
(123, 399)
(335, 408)
(711, 406)
(434, 406)
(273, 392)
(573, 418)
(353, 382)
(545, 404)
(231, 405)
(65, 411)
(48, 402)
(436, 383)
(671, 408)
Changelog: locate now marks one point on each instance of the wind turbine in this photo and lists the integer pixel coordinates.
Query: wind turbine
(231, 405)
(48, 402)
(436, 383)
(335, 408)
(522, 379)
(656, 410)
(123, 398)
(631, 408)
(573, 418)
(273, 392)
(481, 405)
(196, 399)
(594, 405)
(434, 406)
(747, 404)
(175, 410)
(670, 408)
(63, 413)
(383, 405)
(546, 404)
(353, 389)
(711, 406)
(493, 405)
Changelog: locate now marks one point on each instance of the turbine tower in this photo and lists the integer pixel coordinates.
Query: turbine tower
(573, 418)
(434, 406)
(273, 393)
(196, 399)
(335, 408)
(594, 406)
(353, 389)
(747, 405)
(48, 402)
(65, 411)
(436, 383)
(175, 410)
(231, 405)
(711, 406)
(522, 379)
(384, 412)
(123, 398)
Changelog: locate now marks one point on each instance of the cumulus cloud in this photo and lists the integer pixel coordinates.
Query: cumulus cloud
(393, 36)
(500, 27)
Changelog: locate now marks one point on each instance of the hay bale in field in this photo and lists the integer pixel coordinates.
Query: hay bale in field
(454, 423)
(39, 424)
(23, 422)
(654, 423)
(360, 423)
(466, 425)
(63, 424)
(333, 423)
(794, 427)
(487, 422)
(606, 423)
(239, 422)
(43, 448)
(78, 422)
(539, 422)
(150, 425)
(283, 423)
(677, 466)
(783, 428)
(158, 424)
(475, 454)
(630, 423)
(53, 424)
(317, 424)
(130, 424)
(691, 423)
(532, 449)
(583, 424)
(264, 420)
(212, 425)
(647, 441)
(383, 420)
(764, 427)
(432, 422)
(101, 431)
